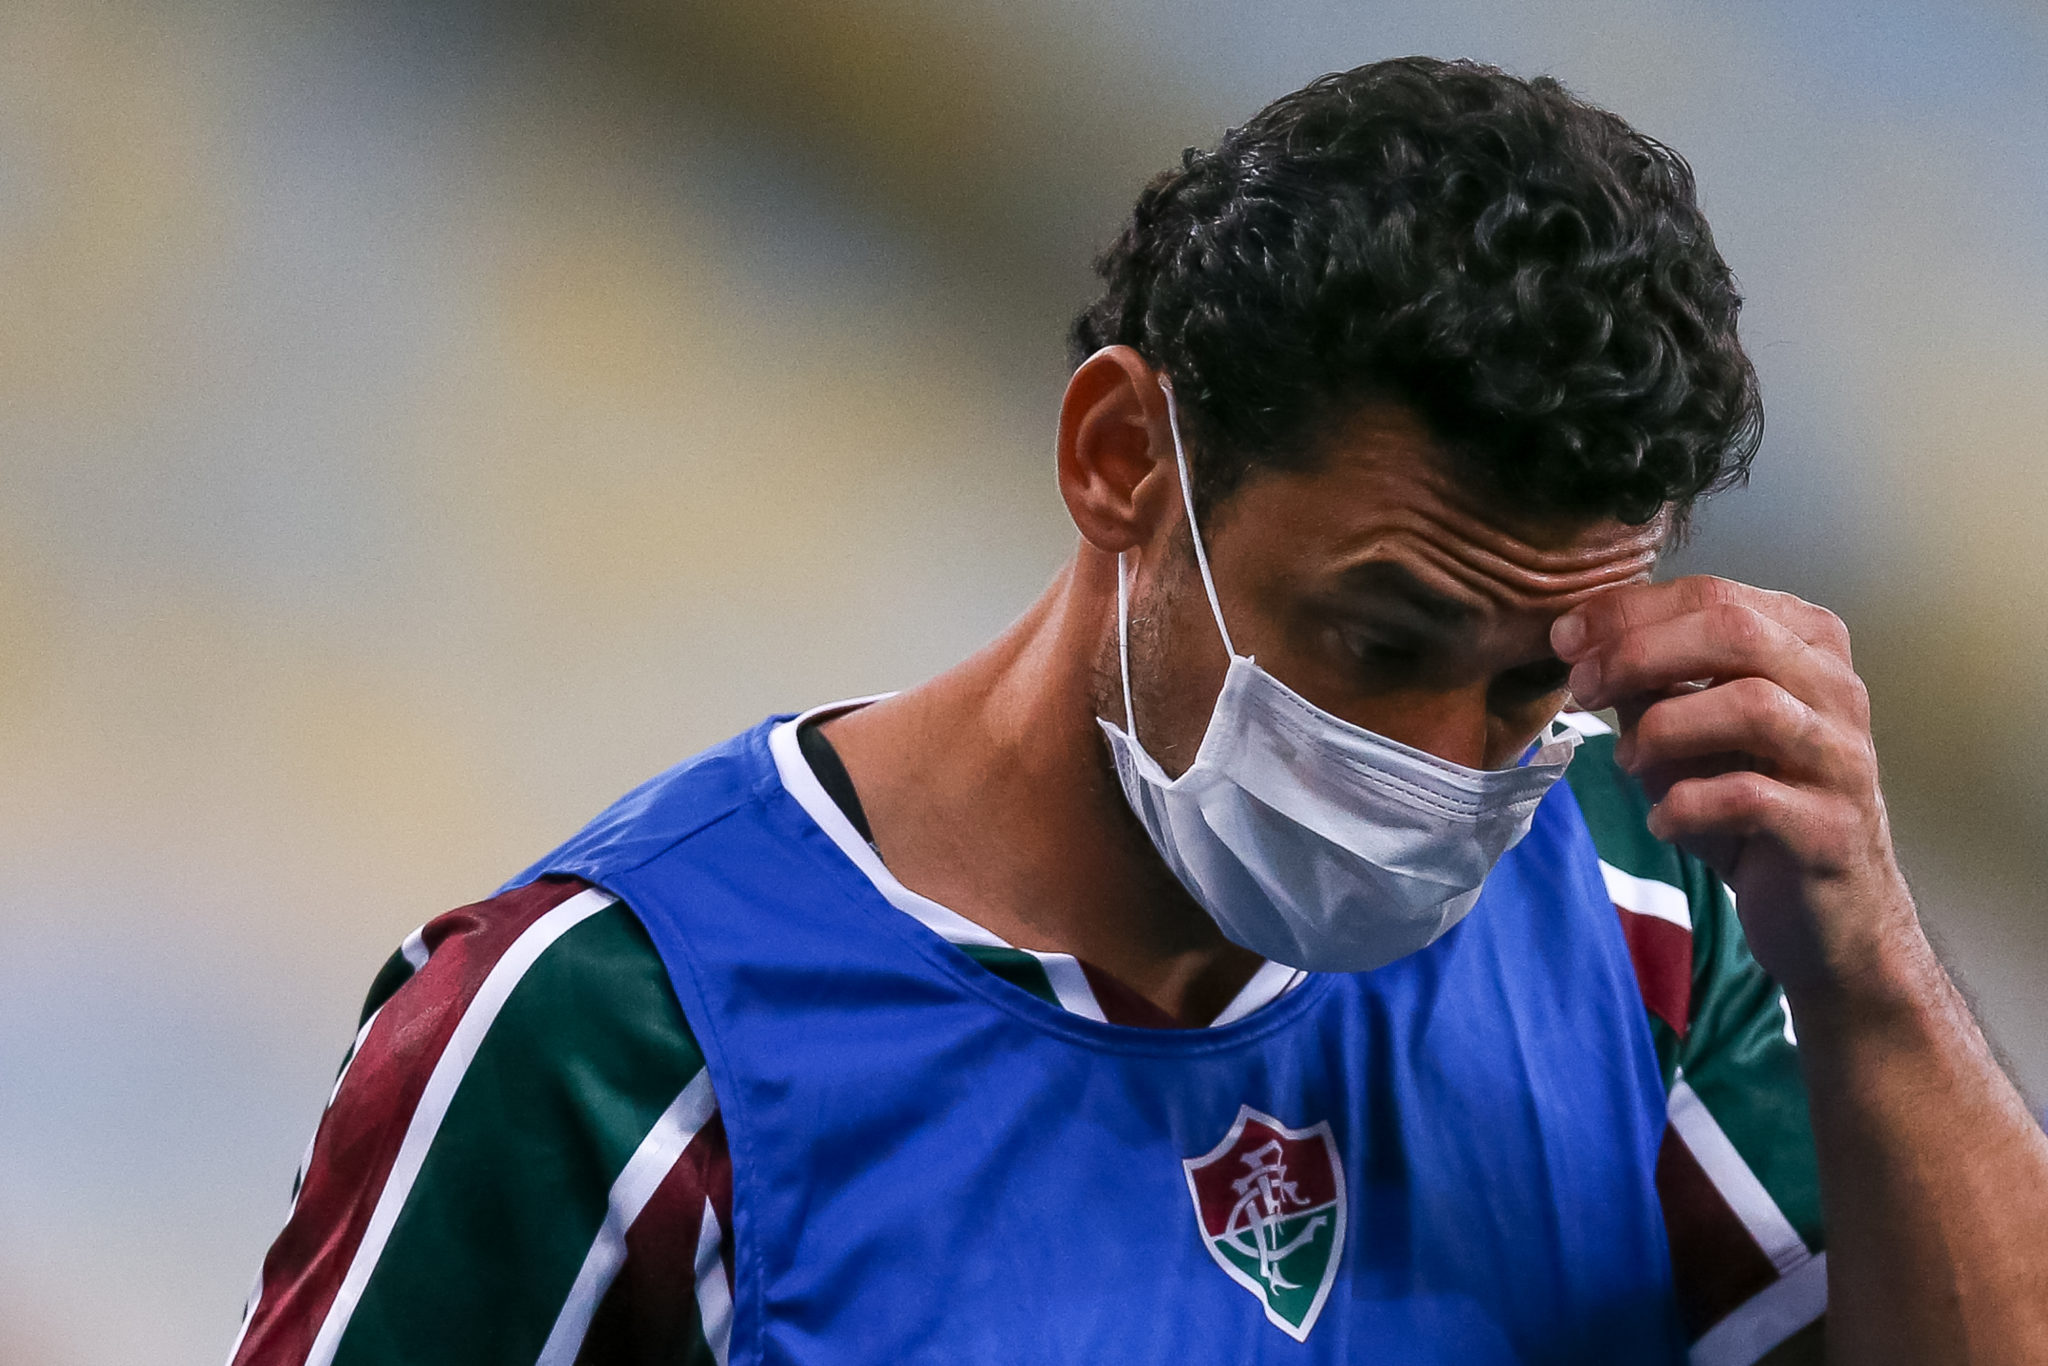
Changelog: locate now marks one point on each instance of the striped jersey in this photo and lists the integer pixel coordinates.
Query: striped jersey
(523, 1158)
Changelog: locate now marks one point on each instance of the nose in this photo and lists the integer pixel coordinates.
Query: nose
(1456, 726)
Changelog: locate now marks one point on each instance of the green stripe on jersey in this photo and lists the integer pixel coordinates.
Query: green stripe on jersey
(586, 1053)
(1746, 1072)
(1016, 967)
(1618, 812)
(1735, 1054)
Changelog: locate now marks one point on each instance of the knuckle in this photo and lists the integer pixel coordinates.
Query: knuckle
(1710, 591)
(1754, 708)
(1735, 799)
(1736, 628)
(1755, 694)
(1749, 798)
(1840, 690)
(1857, 695)
(1788, 719)
(1788, 606)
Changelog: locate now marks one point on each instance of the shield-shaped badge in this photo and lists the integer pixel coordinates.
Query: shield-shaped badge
(1270, 1204)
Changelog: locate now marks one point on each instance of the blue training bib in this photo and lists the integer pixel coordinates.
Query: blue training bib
(1448, 1159)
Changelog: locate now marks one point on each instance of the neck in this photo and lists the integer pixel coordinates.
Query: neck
(990, 790)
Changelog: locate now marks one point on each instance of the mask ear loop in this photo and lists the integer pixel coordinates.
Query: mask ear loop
(1187, 493)
(1123, 638)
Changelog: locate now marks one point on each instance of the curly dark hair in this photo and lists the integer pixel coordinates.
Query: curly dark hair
(1527, 272)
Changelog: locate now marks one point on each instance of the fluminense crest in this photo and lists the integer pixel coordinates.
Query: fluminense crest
(1269, 1201)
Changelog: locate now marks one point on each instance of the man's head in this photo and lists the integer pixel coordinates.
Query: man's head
(1451, 350)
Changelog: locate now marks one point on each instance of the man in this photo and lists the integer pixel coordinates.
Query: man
(1214, 968)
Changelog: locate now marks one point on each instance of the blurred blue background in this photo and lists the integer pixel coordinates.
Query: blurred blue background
(420, 421)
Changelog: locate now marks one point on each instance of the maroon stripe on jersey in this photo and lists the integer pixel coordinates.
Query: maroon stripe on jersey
(1716, 1265)
(359, 1136)
(649, 1315)
(1662, 954)
(1123, 1006)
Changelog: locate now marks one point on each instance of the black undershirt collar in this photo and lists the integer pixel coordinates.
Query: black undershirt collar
(832, 776)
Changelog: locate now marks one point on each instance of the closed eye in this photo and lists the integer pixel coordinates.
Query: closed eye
(1380, 652)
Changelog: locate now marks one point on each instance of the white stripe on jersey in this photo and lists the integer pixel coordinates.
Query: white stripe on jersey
(1738, 1185)
(714, 1295)
(1268, 984)
(1646, 896)
(1773, 1314)
(414, 949)
(1070, 984)
(637, 1181)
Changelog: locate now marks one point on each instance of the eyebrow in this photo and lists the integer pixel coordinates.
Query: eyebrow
(1384, 578)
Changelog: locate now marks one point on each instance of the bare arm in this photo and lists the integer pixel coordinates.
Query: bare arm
(1934, 1178)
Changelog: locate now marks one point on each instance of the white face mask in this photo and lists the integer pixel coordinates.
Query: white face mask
(1310, 841)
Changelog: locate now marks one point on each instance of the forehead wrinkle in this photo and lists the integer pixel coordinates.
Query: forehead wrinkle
(1502, 581)
(1488, 537)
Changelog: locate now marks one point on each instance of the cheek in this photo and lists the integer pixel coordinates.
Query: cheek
(1177, 668)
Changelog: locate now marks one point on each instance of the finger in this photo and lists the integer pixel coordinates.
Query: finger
(1718, 642)
(1753, 718)
(1717, 815)
(1657, 780)
(1614, 613)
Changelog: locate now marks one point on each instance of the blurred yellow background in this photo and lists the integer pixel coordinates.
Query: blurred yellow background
(420, 421)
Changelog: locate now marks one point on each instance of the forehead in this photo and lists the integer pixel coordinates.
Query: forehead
(1384, 495)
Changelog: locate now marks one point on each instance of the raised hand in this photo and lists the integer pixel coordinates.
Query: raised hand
(1745, 720)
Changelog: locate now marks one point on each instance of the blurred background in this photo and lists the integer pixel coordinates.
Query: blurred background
(420, 421)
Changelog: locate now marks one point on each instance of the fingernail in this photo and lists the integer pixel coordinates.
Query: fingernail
(1585, 682)
(1567, 635)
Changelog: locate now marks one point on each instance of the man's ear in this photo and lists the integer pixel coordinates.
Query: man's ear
(1116, 464)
